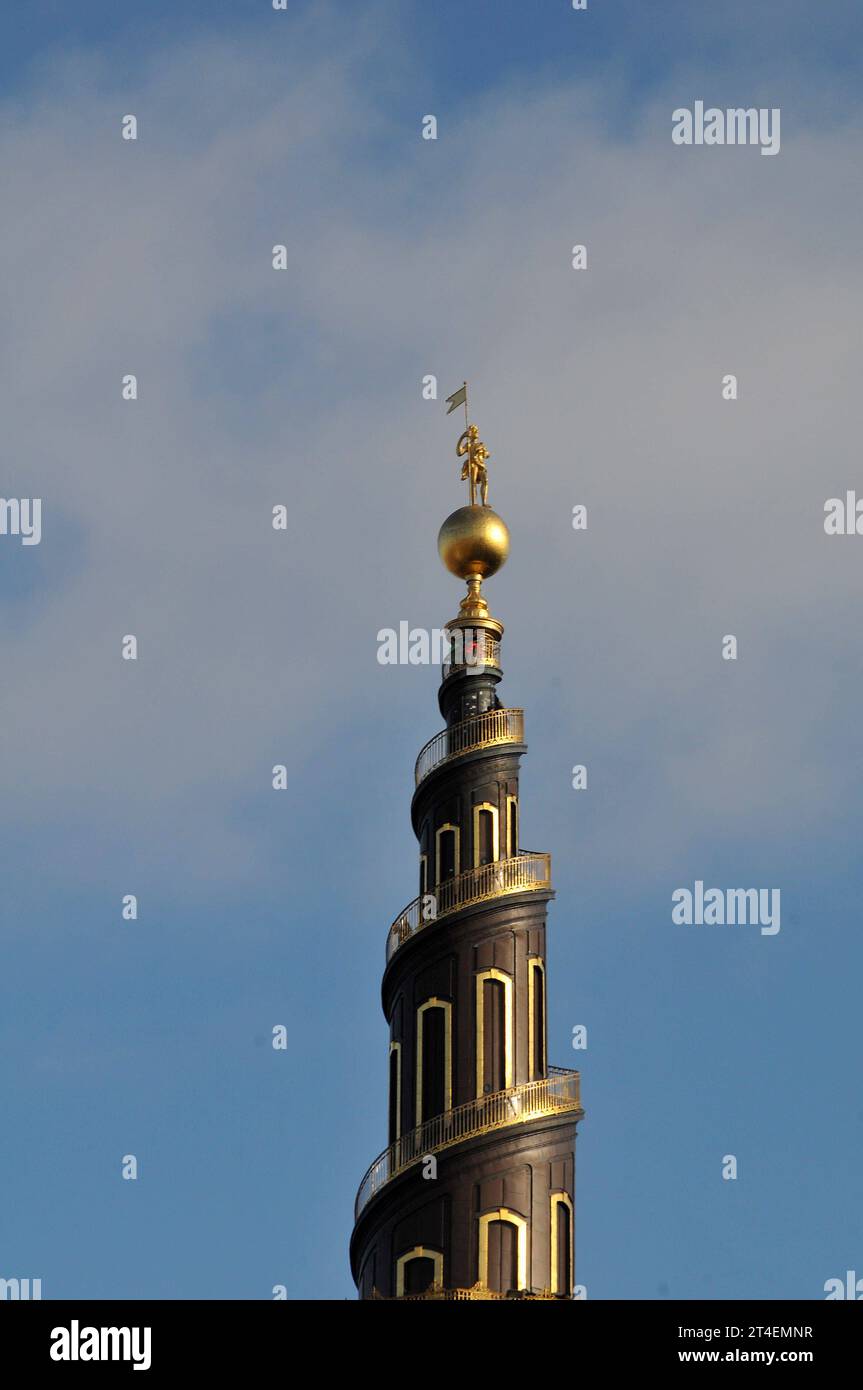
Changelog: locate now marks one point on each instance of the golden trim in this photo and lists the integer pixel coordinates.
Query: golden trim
(495, 833)
(506, 980)
(535, 963)
(511, 849)
(456, 858)
(419, 1252)
(512, 1218)
(562, 1199)
(396, 1047)
(557, 1094)
(476, 1292)
(528, 871)
(434, 1003)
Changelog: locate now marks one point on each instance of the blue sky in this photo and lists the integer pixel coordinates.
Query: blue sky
(257, 908)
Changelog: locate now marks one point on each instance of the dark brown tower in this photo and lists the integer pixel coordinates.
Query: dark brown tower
(474, 1195)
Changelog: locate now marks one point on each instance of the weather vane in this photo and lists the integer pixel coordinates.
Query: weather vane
(470, 448)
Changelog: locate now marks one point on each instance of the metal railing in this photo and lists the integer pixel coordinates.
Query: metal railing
(480, 731)
(469, 652)
(521, 874)
(553, 1095)
(438, 1292)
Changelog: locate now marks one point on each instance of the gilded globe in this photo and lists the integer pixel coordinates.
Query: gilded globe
(473, 540)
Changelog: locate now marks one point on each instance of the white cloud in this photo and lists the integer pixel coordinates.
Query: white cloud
(256, 387)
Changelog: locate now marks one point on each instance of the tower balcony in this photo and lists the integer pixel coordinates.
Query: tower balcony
(556, 1094)
(495, 726)
(524, 873)
(482, 649)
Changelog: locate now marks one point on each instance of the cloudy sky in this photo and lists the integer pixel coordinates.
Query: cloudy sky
(408, 257)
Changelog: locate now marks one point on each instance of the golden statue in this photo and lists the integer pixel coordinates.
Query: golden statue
(473, 541)
(471, 448)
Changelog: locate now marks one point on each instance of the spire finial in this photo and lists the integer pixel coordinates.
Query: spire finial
(474, 541)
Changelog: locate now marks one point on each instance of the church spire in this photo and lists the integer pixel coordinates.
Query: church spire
(474, 1195)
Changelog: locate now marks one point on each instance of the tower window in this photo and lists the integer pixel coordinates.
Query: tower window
(434, 1059)
(502, 1250)
(485, 835)
(502, 1256)
(561, 1243)
(494, 1056)
(395, 1115)
(494, 1035)
(536, 1016)
(511, 827)
(433, 1081)
(417, 1270)
(447, 843)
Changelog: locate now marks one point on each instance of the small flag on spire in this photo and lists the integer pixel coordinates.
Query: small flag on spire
(458, 398)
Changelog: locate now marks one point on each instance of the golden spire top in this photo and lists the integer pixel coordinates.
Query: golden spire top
(473, 541)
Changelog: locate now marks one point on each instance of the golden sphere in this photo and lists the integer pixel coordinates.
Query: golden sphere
(473, 540)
